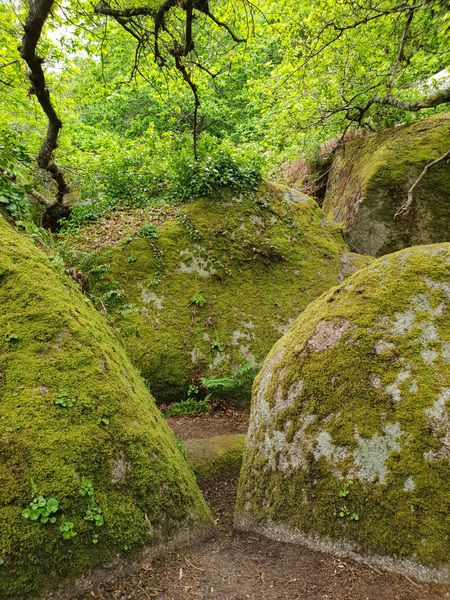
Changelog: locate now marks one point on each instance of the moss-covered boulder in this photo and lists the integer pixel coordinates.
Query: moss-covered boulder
(220, 281)
(215, 457)
(370, 179)
(81, 440)
(348, 446)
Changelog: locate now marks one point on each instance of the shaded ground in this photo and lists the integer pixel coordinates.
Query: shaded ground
(235, 566)
(203, 426)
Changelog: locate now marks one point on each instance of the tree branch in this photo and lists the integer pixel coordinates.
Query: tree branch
(37, 15)
(404, 208)
(34, 193)
(435, 99)
(401, 53)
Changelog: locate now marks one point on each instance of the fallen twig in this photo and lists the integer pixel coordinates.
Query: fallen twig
(413, 582)
(145, 592)
(193, 566)
(374, 569)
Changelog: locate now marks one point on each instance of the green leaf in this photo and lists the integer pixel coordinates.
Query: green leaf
(52, 505)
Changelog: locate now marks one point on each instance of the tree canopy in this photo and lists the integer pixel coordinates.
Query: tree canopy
(265, 79)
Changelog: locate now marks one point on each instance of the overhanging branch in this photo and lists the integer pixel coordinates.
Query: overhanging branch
(435, 99)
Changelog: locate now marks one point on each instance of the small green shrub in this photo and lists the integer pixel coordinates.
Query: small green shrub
(67, 530)
(216, 386)
(189, 406)
(94, 514)
(220, 164)
(86, 489)
(344, 511)
(11, 337)
(12, 194)
(216, 345)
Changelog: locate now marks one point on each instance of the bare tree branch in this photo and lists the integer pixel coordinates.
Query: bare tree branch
(401, 53)
(404, 208)
(178, 47)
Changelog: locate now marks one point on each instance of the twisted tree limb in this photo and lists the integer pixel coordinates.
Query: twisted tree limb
(178, 49)
(37, 15)
(404, 208)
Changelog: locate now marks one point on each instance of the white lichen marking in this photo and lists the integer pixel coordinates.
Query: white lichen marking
(196, 354)
(120, 467)
(409, 484)
(326, 335)
(219, 358)
(382, 346)
(148, 296)
(371, 454)
(394, 388)
(326, 448)
(261, 412)
(197, 264)
(255, 220)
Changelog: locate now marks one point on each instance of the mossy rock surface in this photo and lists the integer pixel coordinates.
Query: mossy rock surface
(74, 411)
(220, 283)
(348, 446)
(370, 179)
(215, 457)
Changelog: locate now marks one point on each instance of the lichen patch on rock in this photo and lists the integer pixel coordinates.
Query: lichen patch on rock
(221, 282)
(349, 433)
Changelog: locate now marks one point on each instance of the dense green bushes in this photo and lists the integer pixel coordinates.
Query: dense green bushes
(137, 173)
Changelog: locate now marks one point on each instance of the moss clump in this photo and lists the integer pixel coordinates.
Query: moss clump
(256, 260)
(73, 410)
(215, 457)
(358, 390)
(370, 180)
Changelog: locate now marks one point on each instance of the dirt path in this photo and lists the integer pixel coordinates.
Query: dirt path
(233, 566)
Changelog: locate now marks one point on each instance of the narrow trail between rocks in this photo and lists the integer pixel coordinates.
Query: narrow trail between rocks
(245, 566)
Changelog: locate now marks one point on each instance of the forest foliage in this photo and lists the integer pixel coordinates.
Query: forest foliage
(258, 83)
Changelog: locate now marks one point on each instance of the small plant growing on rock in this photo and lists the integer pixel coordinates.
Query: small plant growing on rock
(198, 300)
(41, 509)
(216, 345)
(344, 511)
(67, 530)
(216, 386)
(64, 400)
